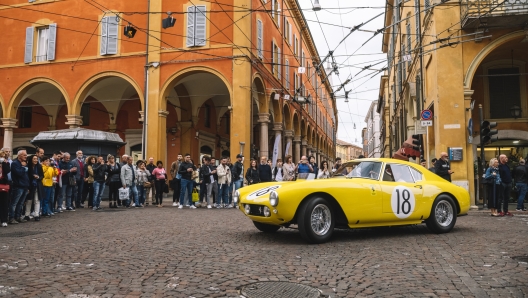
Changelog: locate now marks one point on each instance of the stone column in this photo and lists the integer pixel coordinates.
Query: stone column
(304, 144)
(8, 124)
(309, 150)
(297, 145)
(277, 128)
(264, 120)
(162, 136)
(74, 121)
(320, 155)
(288, 134)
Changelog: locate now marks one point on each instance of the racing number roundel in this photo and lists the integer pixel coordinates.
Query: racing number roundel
(402, 202)
(262, 192)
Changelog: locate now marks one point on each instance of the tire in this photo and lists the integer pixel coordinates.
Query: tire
(316, 220)
(443, 215)
(266, 228)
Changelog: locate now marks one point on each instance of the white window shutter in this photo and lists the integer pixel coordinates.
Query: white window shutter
(279, 63)
(104, 36)
(273, 62)
(287, 73)
(278, 14)
(200, 23)
(260, 42)
(28, 51)
(273, 9)
(290, 35)
(190, 26)
(113, 33)
(52, 41)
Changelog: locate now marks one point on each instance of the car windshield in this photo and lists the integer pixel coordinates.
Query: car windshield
(357, 169)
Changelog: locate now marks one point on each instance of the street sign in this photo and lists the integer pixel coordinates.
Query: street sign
(426, 115)
(419, 129)
(427, 122)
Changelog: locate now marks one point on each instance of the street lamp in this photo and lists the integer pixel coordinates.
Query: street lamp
(515, 111)
(316, 6)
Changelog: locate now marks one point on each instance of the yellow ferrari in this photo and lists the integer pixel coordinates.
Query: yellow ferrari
(361, 193)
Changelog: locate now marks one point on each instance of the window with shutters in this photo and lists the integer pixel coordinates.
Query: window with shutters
(504, 85)
(295, 82)
(196, 26)
(275, 11)
(260, 39)
(274, 58)
(287, 30)
(24, 117)
(109, 36)
(303, 64)
(287, 73)
(409, 48)
(295, 45)
(417, 20)
(46, 40)
(402, 60)
(279, 64)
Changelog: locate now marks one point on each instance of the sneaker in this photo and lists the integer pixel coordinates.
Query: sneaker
(501, 214)
(51, 214)
(508, 213)
(209, 207)
(21, 220)
(133, 205)
(187, 205)
(214, 205)
(94, 208)
(236, 206)
(141, 205)
(146, 204)
(219, 206)
(180, 207)
(4, 224)
(12, 221)
(174, 204)
(522, 209)
(61, 210)
(26, 218)
(229, 206)
(70, 209)
(37, 218)
(192, 207)
(81, 206)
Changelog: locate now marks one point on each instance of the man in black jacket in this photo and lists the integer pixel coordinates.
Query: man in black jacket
(99, 170)
(20, 187)
(186, 170)
(205, 181)
(443, 168)
(150, 167)
(264, 169)
(212, 190)
(521, 174)
(238, 172)
(506, 185)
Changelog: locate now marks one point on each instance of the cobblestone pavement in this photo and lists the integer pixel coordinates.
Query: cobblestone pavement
(160, 252)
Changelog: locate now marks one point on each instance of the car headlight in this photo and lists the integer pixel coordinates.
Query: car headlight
(266, 211)
(236, 197)
(274, 199)
(247, 208)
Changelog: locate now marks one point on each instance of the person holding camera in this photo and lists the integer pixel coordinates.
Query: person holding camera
(324, 172)
(304, 168)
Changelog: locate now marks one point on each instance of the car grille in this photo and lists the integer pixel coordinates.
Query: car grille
(256, 210)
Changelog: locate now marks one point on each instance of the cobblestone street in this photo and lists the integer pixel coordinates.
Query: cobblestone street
(160, 252)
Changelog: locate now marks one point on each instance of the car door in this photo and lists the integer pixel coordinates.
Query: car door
(360, 194)
(402, 194)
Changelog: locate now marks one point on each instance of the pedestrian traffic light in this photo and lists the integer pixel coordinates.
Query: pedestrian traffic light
(416, 142)
(486, 132)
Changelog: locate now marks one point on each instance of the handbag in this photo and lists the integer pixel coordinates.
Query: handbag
(123, 194)
(72, 181)
(165, 188)
(195, 195)
(4, 187)
(147, 184)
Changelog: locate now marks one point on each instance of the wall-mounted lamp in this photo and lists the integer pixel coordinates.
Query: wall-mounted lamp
(197, 134)
(515, 111)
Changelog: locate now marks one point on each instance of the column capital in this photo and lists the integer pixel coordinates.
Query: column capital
(277, 126)
(141, 116)
(263, 118)
(163, 113)
(304, 142)
(288, 133)
(468, 94)
(9, 122)
(74, 121)
(297, 139)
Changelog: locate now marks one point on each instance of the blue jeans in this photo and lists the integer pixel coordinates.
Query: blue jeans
(141, 194)
(97, 193)
(46, 206)
(51, 200)
(67, 191)
(78, 190)
(222, 194)
(238, 184)
(186, 186)
(132, 194)
(522, 188)
(18, 198)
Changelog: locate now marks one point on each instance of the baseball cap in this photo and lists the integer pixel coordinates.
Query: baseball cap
(239, 156)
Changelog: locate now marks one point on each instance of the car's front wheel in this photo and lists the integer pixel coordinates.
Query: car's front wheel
(316, 220)
(266, 228)
(443, 215)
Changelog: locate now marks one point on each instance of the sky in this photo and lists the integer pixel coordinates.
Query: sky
(328, 36)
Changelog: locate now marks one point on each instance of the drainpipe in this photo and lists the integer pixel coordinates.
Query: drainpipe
(145, 104)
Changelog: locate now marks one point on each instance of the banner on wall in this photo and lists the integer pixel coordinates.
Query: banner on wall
(276, 150)
(287, 151)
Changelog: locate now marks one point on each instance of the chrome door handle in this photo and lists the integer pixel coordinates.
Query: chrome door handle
(418, 186)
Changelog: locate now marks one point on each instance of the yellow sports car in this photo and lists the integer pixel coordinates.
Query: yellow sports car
(361, 193)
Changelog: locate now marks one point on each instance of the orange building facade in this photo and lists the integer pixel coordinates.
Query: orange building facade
(221, 80)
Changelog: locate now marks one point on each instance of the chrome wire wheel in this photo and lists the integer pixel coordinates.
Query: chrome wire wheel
(444, 213)
(321, 219)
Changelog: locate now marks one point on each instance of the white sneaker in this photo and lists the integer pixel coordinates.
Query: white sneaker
(209, 207)
(4, 224)
(133, 205)
(219, 206)
(229, 206)
(187, 205)
(214, 205)
(174, 204)
(192, 207)
(180, 207)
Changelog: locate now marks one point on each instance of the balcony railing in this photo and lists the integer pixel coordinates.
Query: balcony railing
(499, 13)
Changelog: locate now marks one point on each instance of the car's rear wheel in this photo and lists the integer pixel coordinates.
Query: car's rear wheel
(316, 220)
(266, 228)
(443, 215)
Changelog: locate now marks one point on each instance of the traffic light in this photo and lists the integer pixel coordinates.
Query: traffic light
(416, 142)
(487, 133)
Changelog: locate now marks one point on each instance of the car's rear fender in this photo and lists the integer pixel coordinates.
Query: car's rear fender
(457, 204)
(341, 219)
